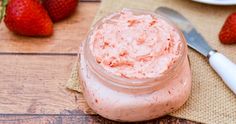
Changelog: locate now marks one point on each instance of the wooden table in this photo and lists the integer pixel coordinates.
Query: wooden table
(34, 72)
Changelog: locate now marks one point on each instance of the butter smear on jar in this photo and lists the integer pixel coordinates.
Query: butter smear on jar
(134, 66)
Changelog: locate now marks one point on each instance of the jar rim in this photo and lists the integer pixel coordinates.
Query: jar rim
(131, 82)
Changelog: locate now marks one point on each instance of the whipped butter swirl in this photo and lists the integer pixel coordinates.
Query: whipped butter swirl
(135, 45)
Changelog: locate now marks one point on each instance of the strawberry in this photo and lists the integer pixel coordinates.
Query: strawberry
(227, 34)
(60, 9)
(28, 17)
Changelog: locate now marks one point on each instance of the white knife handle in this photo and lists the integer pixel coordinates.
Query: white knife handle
(225, 68)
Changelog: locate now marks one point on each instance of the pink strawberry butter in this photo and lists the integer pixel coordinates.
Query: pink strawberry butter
(134, 66)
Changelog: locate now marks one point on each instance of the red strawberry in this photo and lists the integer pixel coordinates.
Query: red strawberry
(28, 17)
(60, 9)
(228, 32)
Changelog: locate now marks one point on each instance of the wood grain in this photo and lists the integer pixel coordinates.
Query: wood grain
(36, 85)
(66, 38)
(86, 119)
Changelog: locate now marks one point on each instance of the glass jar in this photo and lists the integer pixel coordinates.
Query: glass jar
(129, 99)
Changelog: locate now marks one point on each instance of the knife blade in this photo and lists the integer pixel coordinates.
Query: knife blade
(193, 38)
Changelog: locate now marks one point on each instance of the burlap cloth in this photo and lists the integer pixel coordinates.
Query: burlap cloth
(211, 101)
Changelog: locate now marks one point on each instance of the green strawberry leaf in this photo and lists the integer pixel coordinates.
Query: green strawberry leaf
(3, 9)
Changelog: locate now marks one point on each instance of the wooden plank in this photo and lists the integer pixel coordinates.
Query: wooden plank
(36, 85)
(66, 38)
(79, 119)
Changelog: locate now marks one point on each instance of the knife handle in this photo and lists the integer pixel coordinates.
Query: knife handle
(225, 68)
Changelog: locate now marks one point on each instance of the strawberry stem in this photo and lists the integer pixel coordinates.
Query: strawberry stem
(3, 9)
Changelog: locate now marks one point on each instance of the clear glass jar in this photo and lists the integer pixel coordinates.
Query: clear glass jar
(122, 99)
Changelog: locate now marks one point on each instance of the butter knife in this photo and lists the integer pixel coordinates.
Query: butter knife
(225, 68)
